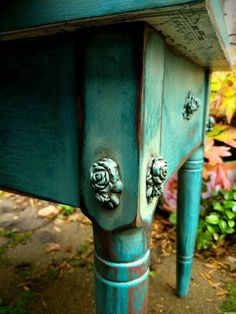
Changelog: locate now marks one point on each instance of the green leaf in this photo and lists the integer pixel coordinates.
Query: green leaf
(213, 219)
(216, 236)
(234, 209)
(217, 206)
(228, 195)
(223, 226)
(204, 240)
(234, 187)
(173, 218)
(231, 223)
(230, 230)
(229, 214)
(152, 273)
(229, 204)
(211, 229)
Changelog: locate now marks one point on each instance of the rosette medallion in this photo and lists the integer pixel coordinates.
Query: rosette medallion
(106, 182)
(156, 175)
(191, 105)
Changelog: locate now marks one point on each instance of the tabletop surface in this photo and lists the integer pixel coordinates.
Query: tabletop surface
(195, 28)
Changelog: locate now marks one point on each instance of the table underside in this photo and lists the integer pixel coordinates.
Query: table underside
(68, 100)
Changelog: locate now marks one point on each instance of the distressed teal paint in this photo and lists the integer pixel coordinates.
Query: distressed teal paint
(150, 115)
(26, 14)
(180, 136)
(124, 297)
(121, 271)
(38, 122)
(121, 245)
(129, 89)
(111, 62)
(131, 127)
(215, 10)
(189, 193)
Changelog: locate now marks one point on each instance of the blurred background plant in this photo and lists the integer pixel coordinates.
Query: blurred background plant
(218, 205)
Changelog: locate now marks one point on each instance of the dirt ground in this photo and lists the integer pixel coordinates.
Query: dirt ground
(46, 265)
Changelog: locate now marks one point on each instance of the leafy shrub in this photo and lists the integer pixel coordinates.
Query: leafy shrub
(218, 218)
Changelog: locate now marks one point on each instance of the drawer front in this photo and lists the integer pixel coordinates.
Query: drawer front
(181, 133)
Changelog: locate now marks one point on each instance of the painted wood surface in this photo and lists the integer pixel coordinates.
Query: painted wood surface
(38, 120)
(121, 271)
(150, 114)
(28, 14)
(111, 62)
(181, 136)
(189, 194)
(196, 28)
(198, 31)
(129, 89)
(122, 98)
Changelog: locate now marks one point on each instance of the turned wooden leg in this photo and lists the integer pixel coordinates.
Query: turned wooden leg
(121, 271)
(121, 170)
(189, 193)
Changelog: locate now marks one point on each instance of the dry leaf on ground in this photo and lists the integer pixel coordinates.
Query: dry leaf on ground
(52, 247)
(49, 212)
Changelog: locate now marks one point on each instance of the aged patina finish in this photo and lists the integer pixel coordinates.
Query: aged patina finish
(88, 105)
(191, 105)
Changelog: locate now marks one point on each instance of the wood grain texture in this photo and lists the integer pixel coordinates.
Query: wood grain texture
(181, 136)
(151, 113)
(198, 31)
(196, 28)
(38, 121)
(27, 14)
(111, 63)
(219, 21)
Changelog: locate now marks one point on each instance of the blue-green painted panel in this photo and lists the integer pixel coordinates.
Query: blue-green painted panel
(111, 65)
(122, 98)
(38, 121)
(26, 14)
(153, 82)
(189, 194)
(179, 135)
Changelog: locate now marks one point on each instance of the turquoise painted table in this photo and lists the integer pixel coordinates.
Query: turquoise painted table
(100, 103)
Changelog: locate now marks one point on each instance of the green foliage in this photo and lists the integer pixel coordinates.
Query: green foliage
(152, 274)
(20, 305)
(66, 209)
(218, 219)
(229, 306)
(173, 218)
(15, 236)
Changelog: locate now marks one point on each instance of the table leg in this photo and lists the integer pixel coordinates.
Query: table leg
(121, 170)
(121, 271)
(189, 193)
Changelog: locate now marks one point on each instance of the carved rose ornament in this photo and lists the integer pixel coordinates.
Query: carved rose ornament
(106, 182)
